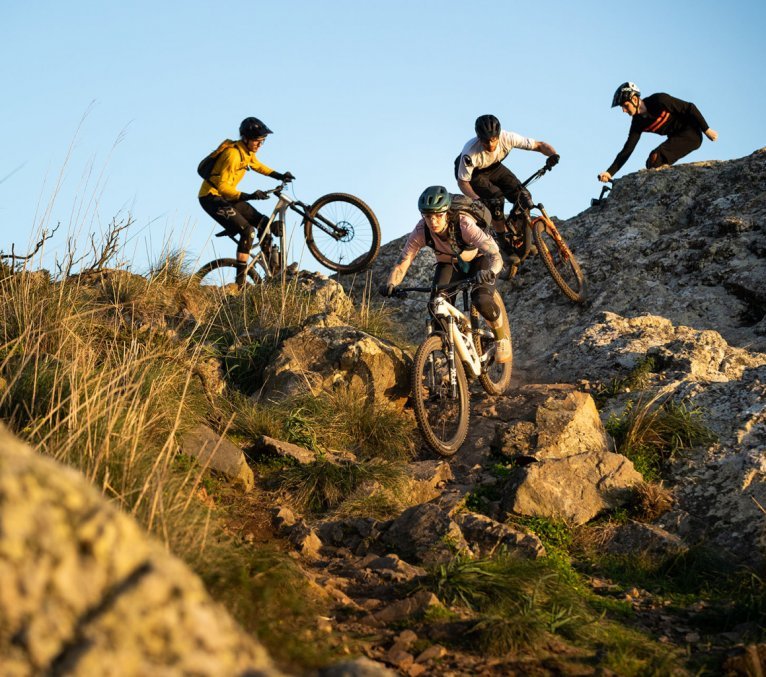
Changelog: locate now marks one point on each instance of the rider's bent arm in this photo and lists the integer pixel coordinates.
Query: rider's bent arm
(475, 237)
(467, 190)
(544, 148)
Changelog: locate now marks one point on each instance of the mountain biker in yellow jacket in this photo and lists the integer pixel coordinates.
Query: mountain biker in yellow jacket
(462, 250)
(220, 197)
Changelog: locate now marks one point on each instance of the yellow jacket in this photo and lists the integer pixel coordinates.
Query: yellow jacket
(229, 168)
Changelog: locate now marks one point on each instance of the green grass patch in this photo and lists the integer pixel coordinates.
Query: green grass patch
(651, 434)
(324, 484)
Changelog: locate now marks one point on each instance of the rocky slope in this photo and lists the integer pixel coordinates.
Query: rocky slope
(675, 263)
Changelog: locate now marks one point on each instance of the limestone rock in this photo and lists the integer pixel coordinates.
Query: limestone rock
(486, 537)
(217, 453)
(82, 585)
(575, 489)
(326, 358)
(359, 667)
(569, 426)
(425, 534)
(635, 537)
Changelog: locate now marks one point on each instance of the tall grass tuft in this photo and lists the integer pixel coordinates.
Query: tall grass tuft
(651, 434)
(325, 483)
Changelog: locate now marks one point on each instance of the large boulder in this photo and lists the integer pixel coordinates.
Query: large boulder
(329, 357)
(575, 489)
(84, 591)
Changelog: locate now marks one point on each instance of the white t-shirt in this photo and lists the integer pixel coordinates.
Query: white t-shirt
(473, 156)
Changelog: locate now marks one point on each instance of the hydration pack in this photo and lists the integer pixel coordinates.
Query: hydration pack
(205, 168)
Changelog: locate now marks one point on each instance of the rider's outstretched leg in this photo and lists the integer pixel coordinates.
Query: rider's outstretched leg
(483, 297)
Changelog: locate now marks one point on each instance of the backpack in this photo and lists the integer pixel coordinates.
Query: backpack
(205, 168)
(476, 209)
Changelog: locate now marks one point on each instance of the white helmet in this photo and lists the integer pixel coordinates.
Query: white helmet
(627, 90)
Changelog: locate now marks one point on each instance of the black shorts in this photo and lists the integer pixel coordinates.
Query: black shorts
(494, 185)
(238, 218)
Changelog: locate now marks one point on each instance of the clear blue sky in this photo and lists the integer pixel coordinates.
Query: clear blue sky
(370, 98)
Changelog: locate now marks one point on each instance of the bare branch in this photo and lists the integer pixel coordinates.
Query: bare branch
(14, 257)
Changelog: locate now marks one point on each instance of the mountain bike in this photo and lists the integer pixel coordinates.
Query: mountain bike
(455, 348)
(340, 230)
(553, 250)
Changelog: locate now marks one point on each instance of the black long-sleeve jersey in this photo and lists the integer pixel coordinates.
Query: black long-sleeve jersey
(665, 115)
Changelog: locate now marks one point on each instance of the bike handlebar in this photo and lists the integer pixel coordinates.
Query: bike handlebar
(401, 292)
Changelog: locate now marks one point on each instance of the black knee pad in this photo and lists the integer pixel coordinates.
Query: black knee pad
(246, 241)
(482, 299)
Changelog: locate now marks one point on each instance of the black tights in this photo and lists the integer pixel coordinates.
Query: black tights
(481, 295)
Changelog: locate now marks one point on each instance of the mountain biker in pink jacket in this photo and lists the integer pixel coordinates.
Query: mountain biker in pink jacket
(227, 205)
(462, 250)
(681, 121)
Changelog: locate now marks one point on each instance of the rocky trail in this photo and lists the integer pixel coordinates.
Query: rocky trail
(674, 326)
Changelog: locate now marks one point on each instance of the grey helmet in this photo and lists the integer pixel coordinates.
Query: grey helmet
(627, 90)
(434, 200)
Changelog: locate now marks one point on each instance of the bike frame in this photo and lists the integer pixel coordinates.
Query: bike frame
(285, 202)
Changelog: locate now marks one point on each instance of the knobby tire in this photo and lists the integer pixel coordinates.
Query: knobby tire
(574, 286)
(358, 249)
(206, 274)
(442, 420)
(495, 378)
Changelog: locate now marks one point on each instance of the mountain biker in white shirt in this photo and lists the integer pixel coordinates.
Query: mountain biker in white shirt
(481, 175)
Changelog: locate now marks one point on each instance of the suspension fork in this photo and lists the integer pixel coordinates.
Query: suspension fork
(451, 358)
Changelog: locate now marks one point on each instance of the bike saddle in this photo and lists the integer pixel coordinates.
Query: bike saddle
(223, 233)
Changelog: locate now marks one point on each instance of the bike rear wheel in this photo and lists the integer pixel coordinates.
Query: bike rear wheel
(342, 233)
(495, 376)
(223, 272)
(442, 415)
(559, 260)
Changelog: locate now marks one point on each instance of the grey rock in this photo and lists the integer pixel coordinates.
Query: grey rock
(636, 537)
(486, 537)
(569, 426)
(359, 667)
(425, 534)
(217, 453)
(330, 358)
(575, 489)
(82, 585)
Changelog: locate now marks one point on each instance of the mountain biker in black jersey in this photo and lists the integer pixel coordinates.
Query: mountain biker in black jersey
(222, 200)
(462, 250)
(681, 121)
(481, 175)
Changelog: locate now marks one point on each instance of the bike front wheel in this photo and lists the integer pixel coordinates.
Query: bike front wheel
(342, 233)
(495, 377)
(223, 272)
(441, 410)
(559, 260)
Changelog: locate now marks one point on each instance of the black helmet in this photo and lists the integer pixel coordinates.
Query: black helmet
(434, 200)
(487, 127)
(253, 128)
(627, 90)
